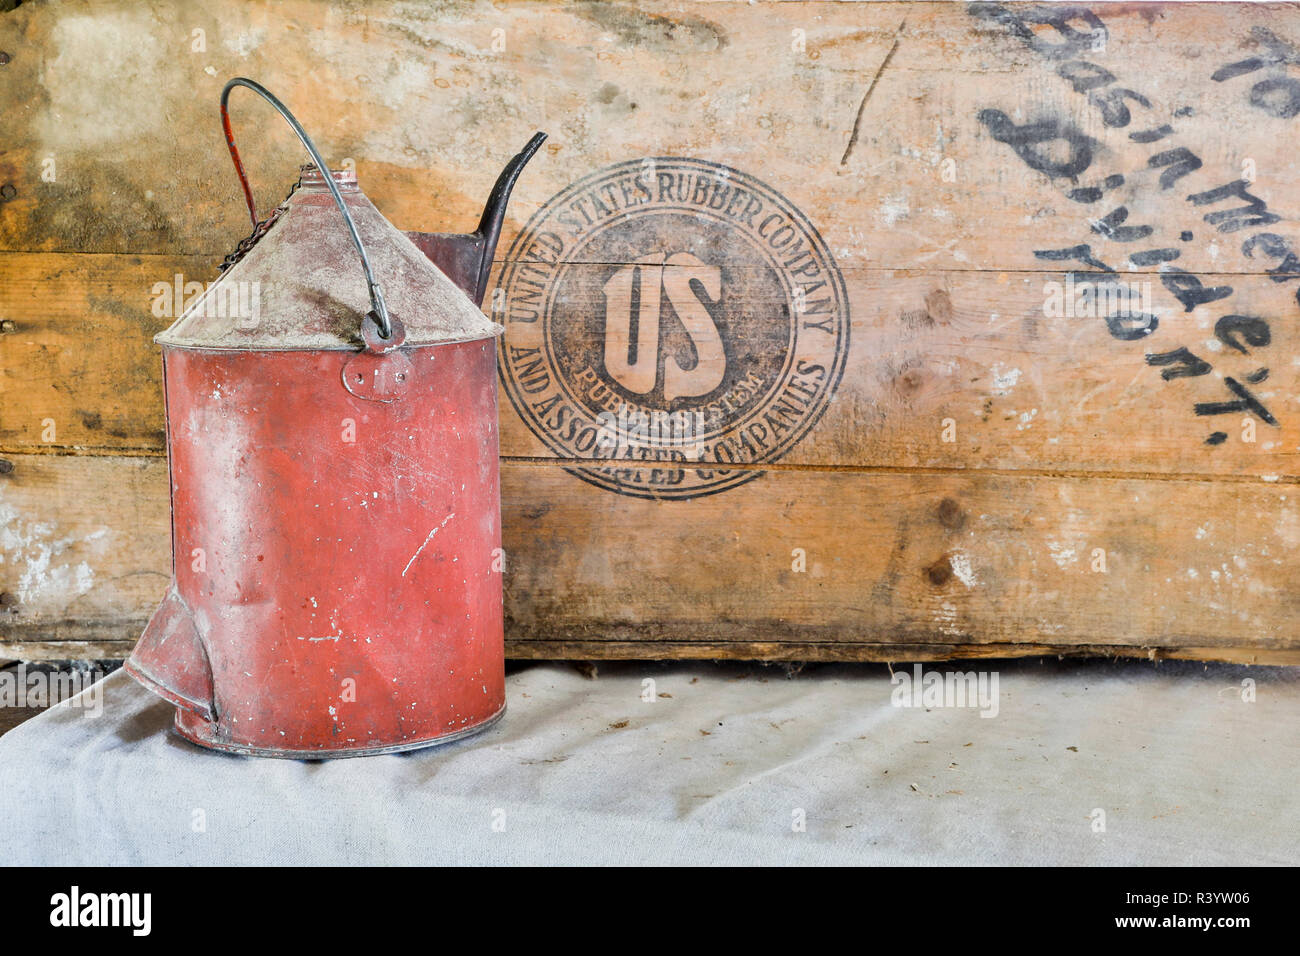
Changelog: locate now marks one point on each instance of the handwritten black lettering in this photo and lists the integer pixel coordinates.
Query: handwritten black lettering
(1233, 330)
(1246, 402)
(1031, 139)
(1180, 363)
(1111, 226)
(1189, 290)
(1181, 161)
(1254, 213)
(1073, 41)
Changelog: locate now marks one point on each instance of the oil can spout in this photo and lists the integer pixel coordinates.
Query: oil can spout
(466, 259)
(489, 226)
(171, 660)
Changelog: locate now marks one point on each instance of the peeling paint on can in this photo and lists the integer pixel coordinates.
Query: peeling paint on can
(336, 576)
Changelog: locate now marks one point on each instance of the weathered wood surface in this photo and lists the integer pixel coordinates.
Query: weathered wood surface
(119, 637)
(429, 102)
(943, 154)
(1025, 391)
(81, 372)
(817, 558)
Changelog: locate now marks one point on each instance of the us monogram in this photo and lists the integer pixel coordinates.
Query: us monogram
(633, 310)
(678, 293)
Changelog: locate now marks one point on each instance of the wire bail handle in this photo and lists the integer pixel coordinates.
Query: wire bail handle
(378, 310)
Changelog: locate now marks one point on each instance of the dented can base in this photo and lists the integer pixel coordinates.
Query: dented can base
(338, 563)
(206, 734)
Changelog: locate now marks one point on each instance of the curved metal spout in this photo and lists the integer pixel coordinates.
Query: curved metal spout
(489, 226)
(466, 258)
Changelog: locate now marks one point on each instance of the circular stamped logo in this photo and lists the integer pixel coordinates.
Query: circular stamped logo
(674, 322)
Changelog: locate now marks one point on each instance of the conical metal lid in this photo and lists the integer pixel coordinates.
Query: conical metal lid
(301, 286)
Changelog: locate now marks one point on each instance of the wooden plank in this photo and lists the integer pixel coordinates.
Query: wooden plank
(775, 651)
(915, 558)
(78, 367)
(429, 102)
(881, 653)
(1023, 390)
(953, 160)
(18, 649)
(83, 538)
(944, 370)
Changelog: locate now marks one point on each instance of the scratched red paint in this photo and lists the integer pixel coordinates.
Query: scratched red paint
(336, 556)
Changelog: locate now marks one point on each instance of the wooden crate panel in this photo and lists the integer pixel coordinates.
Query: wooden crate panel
(428, 102)
(871, 223)
(822, 558)
(1023, 390)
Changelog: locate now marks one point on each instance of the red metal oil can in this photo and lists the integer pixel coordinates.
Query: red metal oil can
(335, 501)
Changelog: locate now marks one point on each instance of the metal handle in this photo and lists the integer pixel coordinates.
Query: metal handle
(378, 311)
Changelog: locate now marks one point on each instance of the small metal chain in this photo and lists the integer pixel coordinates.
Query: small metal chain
(258, 232)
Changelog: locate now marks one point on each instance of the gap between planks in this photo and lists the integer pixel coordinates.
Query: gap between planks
(819, 652)
(538, 461)
(848, 268)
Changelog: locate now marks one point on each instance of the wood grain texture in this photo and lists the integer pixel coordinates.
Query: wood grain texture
(880, 653)
(1025, 391)
(429, 102)
(111, 648)
(962, 164)
(86, 540)
(120, 637)
(925, 559)
(80, 371)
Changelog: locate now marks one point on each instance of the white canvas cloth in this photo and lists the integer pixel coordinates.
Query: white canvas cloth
(716, 772)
